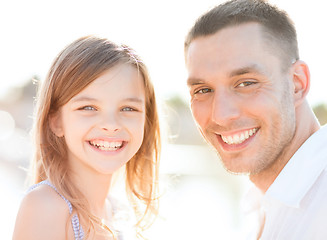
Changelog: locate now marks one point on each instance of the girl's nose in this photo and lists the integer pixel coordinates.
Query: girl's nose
(110, 123)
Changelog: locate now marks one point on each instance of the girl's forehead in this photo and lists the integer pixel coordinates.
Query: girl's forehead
(121, 81)
(116, 73)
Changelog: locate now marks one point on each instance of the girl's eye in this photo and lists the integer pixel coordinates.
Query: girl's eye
(87, 108)
(128, 109)
(203, 91)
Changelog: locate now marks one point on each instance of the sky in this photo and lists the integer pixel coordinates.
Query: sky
(33, 32)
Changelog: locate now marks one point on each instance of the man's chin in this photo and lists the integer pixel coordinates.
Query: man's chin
(237, 169)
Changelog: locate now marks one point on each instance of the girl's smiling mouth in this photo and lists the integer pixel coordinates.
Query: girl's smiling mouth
(107, 145)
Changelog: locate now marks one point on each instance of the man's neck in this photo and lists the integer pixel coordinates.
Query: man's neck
(306, 125)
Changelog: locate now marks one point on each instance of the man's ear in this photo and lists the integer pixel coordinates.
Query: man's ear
(56, 124)
(301, 81)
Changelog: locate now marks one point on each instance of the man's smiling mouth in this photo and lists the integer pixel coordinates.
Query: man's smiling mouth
(240, 137)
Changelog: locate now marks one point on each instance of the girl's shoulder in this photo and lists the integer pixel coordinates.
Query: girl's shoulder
(43, 214)
(46, 200)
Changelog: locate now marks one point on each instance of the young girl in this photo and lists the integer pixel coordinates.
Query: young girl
(96, 112)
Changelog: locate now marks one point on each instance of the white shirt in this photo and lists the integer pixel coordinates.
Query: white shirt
(295, 205)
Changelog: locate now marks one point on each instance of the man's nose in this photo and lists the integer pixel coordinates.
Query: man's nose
(225, 107)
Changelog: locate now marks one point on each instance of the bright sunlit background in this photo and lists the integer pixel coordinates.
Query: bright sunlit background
(201, 200)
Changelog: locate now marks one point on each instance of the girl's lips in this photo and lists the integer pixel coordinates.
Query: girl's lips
(107, 146)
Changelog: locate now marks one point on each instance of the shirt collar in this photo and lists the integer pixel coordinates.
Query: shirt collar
(301, 171)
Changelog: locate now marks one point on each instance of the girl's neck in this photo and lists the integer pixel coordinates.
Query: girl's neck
(95, 187)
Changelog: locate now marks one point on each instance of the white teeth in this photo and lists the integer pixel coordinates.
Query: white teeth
(106, 146)
(242, 138)
(251, 132)
(239, 138)
(236, 138)
(246, 135)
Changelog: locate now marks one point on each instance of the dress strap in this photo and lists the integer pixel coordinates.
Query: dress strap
(78, 230)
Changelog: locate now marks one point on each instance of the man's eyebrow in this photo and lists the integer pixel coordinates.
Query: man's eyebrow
(254, 69)
(245, 70)
(194, 81)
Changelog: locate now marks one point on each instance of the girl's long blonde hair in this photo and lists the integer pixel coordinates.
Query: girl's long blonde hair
(78, 65)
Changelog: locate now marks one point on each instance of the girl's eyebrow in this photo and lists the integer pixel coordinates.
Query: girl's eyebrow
(134, 99)
(91, 99)
(83, 99)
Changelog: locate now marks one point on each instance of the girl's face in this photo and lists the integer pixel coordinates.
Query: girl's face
(103, 125)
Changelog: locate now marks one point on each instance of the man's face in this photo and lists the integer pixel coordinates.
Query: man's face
(240, 98)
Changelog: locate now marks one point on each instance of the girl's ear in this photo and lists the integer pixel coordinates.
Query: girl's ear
(301, 81)
(56, 124)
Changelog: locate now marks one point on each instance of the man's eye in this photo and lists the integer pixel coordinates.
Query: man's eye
(203, 91)
(245, 84)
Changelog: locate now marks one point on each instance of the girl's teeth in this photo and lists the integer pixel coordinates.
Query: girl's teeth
(107, 146)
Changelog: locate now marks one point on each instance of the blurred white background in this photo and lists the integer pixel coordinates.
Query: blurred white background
(201, 200)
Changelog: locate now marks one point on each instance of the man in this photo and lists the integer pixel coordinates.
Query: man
(248, 96)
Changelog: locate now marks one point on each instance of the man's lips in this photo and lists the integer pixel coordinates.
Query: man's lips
(239, 137)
